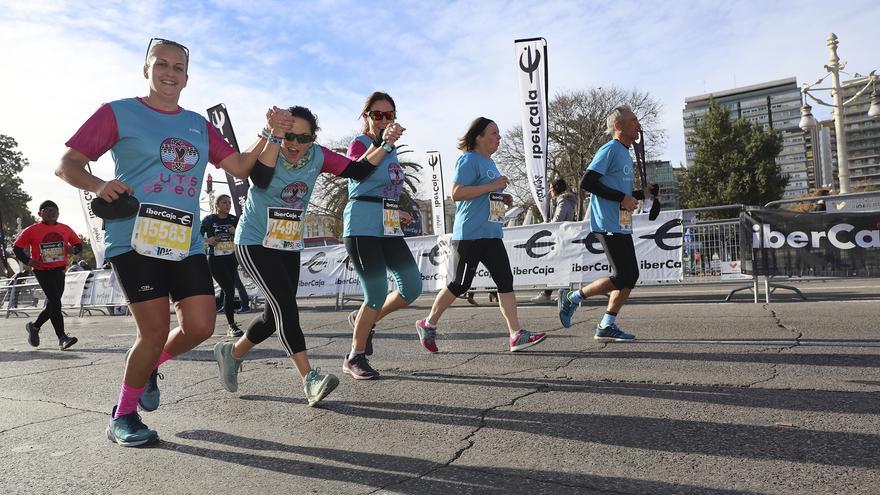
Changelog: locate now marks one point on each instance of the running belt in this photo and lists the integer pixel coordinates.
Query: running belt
(370, 199)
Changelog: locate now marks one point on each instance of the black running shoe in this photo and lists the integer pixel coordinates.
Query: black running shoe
(66, 341)
(33, 334)
(234, 331)
(359, 368)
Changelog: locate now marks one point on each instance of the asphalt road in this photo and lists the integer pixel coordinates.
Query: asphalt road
(713, 397)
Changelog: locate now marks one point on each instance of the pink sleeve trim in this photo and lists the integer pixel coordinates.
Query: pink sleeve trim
(334, 163)
(218, 148)
(97, 135)
(356, 150)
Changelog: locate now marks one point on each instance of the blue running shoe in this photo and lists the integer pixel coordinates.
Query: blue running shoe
(318, 386)
(612, 333)
(129, 431)
(566, 308)
(150, 398)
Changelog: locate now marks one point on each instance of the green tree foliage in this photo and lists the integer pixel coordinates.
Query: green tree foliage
(735, 162)
(13, 199)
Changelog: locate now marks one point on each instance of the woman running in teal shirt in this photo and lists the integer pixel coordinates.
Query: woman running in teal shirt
(372, 234)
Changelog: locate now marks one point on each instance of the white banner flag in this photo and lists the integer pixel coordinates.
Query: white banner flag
(438, 196)
(95, 224)
(531, 58)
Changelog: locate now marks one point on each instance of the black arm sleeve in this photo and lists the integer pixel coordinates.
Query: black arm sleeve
(590, 183)
(261, 175)
(76, 248)
(358, 170)
(21, 255)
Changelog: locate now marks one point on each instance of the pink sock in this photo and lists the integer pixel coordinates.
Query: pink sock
(128, 400)
(162, 358)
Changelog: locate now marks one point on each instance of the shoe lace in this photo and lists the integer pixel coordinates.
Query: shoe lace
(133, 421)
(156, 375)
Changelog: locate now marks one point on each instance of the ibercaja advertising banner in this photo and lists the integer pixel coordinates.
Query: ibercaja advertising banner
(551, 254)
(559, 254)
(834, 244)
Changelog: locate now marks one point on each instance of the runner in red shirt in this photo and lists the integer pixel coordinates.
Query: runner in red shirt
(49, 243)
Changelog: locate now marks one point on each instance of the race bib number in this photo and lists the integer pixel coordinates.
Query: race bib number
(391, 217)
(162, 232)
(52, 252)
(625, 219)
(284, 229)
(225, 245)
(497, 208)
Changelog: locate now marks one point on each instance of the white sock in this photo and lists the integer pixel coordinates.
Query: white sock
(354, 353)
(428, 324)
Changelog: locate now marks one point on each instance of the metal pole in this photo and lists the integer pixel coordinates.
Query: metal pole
(834, 68)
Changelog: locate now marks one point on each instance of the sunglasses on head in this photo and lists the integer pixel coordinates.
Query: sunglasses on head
(379, 115)
(299, 138)
(163, 41)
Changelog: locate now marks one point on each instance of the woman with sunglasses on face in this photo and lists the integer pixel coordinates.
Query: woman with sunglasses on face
(477, 235)
(160, 152)
(372, 234)
(269, 239)
(219, 229)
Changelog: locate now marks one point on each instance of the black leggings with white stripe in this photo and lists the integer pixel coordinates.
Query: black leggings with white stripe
(276, 272)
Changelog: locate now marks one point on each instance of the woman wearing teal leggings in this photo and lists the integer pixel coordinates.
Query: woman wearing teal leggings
(372, 233)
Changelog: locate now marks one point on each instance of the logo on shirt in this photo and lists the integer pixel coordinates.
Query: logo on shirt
(396, 174)
(53, 237)
(178, 155)
(294, 193)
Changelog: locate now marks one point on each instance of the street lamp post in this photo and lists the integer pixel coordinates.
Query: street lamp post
(808, 122)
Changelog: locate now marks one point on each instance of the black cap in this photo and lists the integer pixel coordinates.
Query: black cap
(124, 206)
(47, 204)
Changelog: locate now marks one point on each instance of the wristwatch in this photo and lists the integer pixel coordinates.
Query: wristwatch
(387, 147)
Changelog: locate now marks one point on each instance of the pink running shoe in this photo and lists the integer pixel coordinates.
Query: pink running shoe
(524, 338)
(427, 336)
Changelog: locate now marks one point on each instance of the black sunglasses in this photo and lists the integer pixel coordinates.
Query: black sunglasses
(300, 138)
(379, 115)
(163, 41)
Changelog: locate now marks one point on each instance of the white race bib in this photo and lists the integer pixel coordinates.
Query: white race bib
(52, 252)
(225, 245)
(391, 217)
(162, 232)
(626, 222)
(284, 229)
(497, 208)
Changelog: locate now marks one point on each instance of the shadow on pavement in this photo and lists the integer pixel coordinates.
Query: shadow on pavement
(858, 450)
(45, 354)
(792, 400)
(405, 474)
